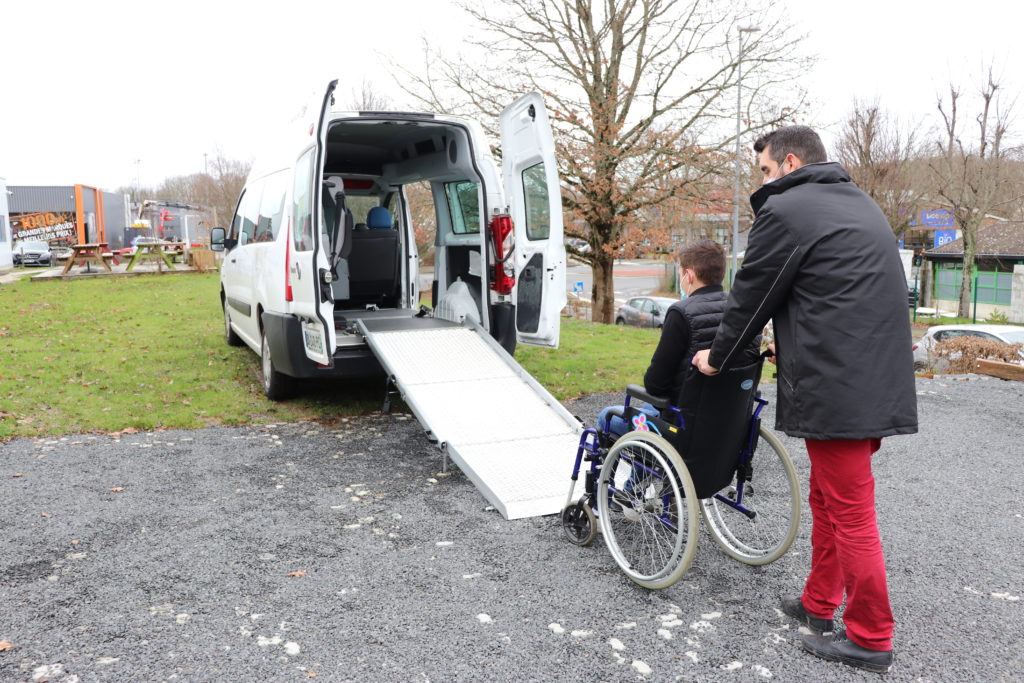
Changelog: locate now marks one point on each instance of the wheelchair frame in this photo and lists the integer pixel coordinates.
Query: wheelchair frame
(666, 539)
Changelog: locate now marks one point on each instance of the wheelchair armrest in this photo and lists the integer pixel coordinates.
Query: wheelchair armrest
(637, 391)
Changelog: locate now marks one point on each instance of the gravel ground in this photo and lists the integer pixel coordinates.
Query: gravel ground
(339, 551)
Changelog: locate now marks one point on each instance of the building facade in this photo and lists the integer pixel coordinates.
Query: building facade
(70, 214)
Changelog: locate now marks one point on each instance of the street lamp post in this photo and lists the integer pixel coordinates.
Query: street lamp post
(736, 195)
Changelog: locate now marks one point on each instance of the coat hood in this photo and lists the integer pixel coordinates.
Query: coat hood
(821, 172)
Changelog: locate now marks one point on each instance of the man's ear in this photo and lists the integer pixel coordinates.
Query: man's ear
(794, 161)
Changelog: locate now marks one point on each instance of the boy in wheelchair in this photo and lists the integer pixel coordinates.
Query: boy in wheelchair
(689, 326)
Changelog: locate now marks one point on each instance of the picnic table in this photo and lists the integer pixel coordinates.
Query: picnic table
(161, 252)
(85, 254)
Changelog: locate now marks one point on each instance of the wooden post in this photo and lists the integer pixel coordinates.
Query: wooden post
(1001, 370)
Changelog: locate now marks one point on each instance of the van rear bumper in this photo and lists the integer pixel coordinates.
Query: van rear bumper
(284, 335)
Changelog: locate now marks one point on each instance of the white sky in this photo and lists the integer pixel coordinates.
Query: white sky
(91, 87)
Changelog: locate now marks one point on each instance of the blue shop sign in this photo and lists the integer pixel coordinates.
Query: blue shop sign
(944, 237)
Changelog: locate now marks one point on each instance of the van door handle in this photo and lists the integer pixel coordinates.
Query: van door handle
(233, 261)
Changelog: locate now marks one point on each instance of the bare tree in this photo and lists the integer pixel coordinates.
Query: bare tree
(217, 191)
(973, 177)
(884, 158)
(368, 99)
(640, 92)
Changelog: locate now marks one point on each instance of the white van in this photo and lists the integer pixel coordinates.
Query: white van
(323, 237)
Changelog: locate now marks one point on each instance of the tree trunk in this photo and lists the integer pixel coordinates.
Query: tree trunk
(967, 275)
(603, 290)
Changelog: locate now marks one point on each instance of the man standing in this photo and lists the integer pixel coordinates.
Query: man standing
(822, 262)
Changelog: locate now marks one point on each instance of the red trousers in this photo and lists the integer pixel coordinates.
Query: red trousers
(846, 550)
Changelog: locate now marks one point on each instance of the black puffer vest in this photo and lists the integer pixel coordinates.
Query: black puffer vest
(703, 311)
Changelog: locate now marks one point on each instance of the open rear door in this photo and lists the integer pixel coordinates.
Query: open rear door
(309, 261)
(535, 202)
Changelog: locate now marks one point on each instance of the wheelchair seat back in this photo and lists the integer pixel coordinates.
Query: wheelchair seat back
(716, 415)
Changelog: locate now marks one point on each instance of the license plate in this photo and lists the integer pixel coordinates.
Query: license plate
(313, 338)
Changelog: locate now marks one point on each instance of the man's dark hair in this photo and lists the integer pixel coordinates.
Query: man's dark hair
(799, 141)
(706, 259)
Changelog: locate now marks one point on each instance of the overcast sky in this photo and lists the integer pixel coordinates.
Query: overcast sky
(96, 92)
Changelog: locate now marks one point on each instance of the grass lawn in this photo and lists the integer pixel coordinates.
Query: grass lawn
(104, 355)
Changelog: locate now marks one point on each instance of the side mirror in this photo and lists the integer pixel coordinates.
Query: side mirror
(657, 312)
(217, 237)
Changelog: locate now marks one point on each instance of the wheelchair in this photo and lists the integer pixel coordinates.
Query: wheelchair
(708, 457)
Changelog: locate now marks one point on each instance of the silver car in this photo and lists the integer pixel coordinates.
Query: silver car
(1008, 334)
(644, 311)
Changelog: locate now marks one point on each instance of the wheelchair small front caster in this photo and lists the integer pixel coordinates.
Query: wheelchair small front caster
(579, 523)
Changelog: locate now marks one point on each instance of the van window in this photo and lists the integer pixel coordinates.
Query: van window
(464, 206)
(360, 206)
(243, 227)
(302, 206)
(538, 210)
(268, 223)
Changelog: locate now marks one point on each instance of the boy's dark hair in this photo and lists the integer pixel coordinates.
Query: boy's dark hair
(706, 259)
(800, 141)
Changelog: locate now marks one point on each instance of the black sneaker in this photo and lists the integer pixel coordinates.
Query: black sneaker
(839, 648)
(795, 608)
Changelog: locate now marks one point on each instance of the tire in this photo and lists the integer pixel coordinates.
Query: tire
(620, 321)
(230, 337)
(650, 530)
(773, 494)
(579, 523)
(276, 386)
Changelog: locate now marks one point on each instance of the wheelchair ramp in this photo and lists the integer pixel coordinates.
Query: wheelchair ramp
(513, 440)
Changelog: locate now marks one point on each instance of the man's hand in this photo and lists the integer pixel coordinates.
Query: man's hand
(700, 359)
(771, 349)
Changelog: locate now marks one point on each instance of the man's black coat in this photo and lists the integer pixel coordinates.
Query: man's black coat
(823, 264)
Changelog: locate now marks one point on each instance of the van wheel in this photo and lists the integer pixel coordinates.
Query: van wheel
(230, 337)
(620, 321)
(276, 386)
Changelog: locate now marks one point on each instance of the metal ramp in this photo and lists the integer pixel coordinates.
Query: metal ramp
(513, 440)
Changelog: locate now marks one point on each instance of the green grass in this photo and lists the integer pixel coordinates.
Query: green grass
(103, 355)
(591, 358)
(148, 352)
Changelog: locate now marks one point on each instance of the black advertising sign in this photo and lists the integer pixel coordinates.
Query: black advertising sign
(48, 226)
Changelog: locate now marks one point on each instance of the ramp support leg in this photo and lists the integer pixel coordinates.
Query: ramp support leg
(389, 384)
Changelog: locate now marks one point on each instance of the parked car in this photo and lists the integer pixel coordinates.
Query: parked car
(1008, 334)
(32, 253)
(644, 311)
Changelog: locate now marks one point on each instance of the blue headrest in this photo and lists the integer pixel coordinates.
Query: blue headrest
(378, 218)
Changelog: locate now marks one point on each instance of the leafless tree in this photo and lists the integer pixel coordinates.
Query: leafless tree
(884, 159)
(217, 190)
(641, 94)
(367, 98)
(974, 177)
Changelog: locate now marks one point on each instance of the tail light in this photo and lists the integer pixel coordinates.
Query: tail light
(288, 262)
(915, 347)
(503, 244)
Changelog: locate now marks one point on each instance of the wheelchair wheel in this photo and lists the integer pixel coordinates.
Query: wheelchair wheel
(579, 523)
(773, 494)
(647, 507)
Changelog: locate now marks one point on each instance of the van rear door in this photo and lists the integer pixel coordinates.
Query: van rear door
(535, 202)
(309, 266)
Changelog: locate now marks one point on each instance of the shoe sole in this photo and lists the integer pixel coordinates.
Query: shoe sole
(856, 663)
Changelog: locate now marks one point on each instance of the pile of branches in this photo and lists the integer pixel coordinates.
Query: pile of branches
(963, 353)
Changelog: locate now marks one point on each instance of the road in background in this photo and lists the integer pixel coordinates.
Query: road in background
(632, 278)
